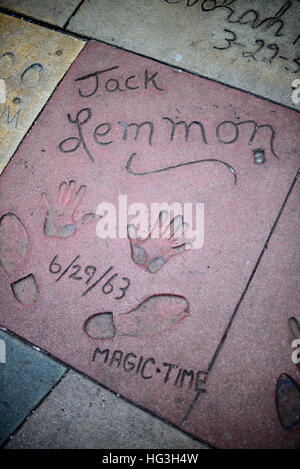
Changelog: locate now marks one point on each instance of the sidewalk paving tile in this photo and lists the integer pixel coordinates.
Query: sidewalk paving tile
(26, 376)
(79, 414)
(128, 312)
(258, 350)
(32, 62)
(252, 45)
(52, 11)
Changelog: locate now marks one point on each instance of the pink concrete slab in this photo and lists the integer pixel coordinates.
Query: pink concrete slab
(250, 402)
(127, 311)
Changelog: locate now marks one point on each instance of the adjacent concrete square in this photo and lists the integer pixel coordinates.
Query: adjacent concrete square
(79, 414)
(32, 62)
(26, 376)
(51, 11)
(244, 384)
(128, 132)
(252, 45)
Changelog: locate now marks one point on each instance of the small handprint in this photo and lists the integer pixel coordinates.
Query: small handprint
(154, 252)
(60, 221)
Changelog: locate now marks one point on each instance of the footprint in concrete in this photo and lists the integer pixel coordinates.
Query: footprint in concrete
(154, 252)
(60, 221)
(26, 290)
(13, 249)
(7, 61)
(32, 75)
(13, 242)
(153, 316)
(100, 326)
(288, 402)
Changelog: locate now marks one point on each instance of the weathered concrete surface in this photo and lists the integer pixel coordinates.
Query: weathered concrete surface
(246, 43)
(52, 11)
(26, 376)
(32, 61)
(124, 311)
(79, 414)
(242, 384)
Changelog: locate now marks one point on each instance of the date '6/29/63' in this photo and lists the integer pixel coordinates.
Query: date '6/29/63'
(87, 275)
